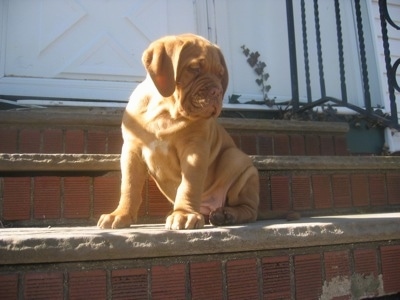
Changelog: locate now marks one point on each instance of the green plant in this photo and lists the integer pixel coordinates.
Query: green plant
(262, 77)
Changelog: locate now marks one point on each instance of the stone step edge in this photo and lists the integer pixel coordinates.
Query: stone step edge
(113, 117)
(38, 162)
(72, 244)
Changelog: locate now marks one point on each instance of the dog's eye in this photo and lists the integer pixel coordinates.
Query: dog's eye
(194, 70)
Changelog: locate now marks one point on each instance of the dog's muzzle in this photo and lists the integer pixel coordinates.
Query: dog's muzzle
(207, 103)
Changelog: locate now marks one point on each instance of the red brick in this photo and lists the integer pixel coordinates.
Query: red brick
(393, 188)
(206, 280)
(301, 192)
(143, 209)
(87, 284)
(322, 191)
(265, 145)
(281, 144)
(276, 278)
(337, 264)
(29, 141)
(341, 145)
(327, 145)
(96, 142)
(249, 144)
(297, 144)
(16, 198)
(365, 262)
(377, 190)
(168, 282)
(236, 139)
(158, 204)
(390, 257)
(106, 194)
(77, 197)
(9, 140)
(114, 143)
(265, 195)
(308, 276)
(44, 285)
(242, 279)
(74, 141)
(341, 191)
(312, 145)
(129, 284)
(359, 189)
(280, 194)
(46, 199)
(52, 141)
(8, 286)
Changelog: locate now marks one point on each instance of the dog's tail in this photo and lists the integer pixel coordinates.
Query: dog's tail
(278, 214)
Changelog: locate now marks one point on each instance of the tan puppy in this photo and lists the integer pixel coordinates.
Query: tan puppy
(170, 130)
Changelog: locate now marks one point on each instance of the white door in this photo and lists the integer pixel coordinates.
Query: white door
(85, 49)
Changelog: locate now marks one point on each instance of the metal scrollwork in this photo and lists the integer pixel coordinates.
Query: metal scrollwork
(397, 62)
(387, 16)
(391, 69)
(393, 75)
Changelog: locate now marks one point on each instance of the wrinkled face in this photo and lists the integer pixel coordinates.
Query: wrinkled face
(200, 80)
(197, 73)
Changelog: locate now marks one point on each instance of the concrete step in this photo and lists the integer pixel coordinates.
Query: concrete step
(54, 189)
(48, 244)
(352, 257)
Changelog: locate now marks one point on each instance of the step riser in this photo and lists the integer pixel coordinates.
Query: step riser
(98, 131)
(59, 198)
(358, 270)
(109, 141)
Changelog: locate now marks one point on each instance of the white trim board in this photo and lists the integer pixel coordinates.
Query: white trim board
(62, 88)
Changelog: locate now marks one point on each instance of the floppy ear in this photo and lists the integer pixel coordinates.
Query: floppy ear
(159, 64)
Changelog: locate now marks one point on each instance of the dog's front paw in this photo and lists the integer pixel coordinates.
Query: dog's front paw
(222, 216)
(114, 220)
(183, 220)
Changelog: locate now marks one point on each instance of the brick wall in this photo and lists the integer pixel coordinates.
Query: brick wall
(51, 198)
(360, 270)
(46, 200)
(339, 272)
(40, 139)
(102, 140)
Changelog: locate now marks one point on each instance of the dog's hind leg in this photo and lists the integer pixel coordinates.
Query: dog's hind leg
(242, 201)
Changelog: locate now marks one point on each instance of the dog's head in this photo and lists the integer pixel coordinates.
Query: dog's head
(191, 69)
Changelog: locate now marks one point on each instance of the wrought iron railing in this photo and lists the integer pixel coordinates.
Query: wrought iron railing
(390, 119)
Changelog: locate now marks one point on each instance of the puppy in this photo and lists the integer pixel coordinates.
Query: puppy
(170, 131)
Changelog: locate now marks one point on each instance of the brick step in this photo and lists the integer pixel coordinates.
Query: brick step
(331, 257)
(75, 189)
(97, 131)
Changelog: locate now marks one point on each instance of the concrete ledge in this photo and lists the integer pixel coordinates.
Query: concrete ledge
(265, 163)
(110, 162)
(58, 162)
(302, 127)
(61, 244)
(112, 117)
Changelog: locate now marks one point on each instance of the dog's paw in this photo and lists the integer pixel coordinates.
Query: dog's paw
(222, 216)
(114, 221)
(183, 220)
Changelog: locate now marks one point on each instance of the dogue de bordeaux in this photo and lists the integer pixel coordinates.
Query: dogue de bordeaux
(170, 131)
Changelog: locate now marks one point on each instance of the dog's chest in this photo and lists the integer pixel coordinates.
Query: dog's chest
(156, 154)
